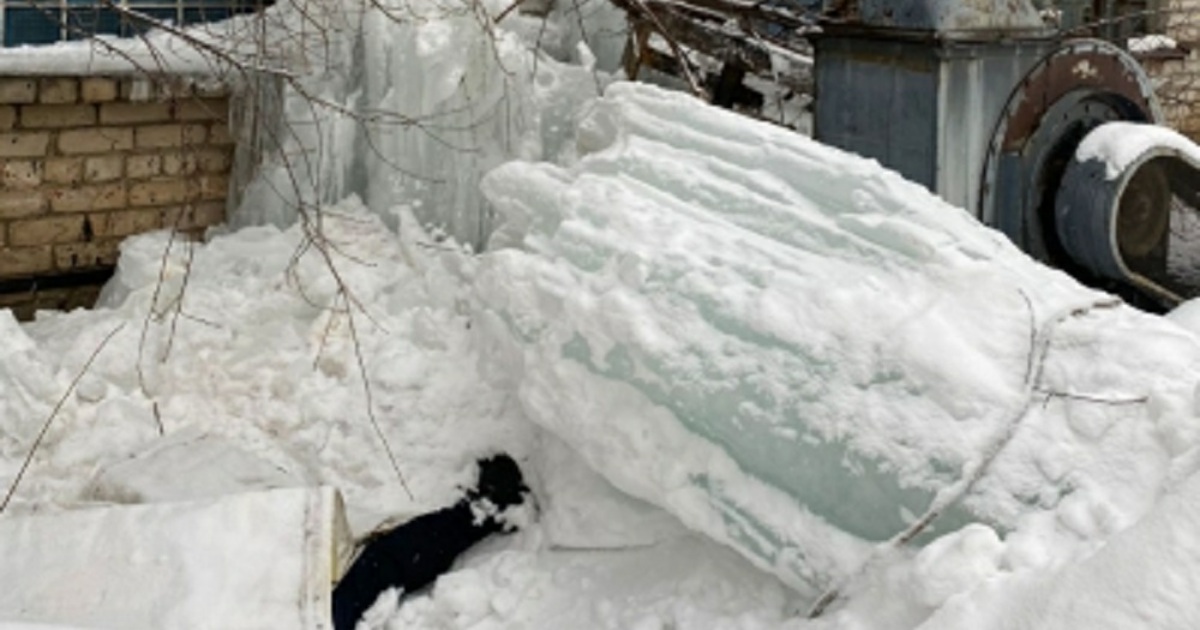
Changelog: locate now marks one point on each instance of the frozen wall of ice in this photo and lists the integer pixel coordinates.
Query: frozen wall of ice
(407, 108)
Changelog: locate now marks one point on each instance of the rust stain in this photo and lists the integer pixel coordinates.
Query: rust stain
(1064, 73)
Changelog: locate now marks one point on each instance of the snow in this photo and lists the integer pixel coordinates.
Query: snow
(735, 364)
(190, 52)
(253, 560)
(1151, 43)
(257, 363)
(1120, 144)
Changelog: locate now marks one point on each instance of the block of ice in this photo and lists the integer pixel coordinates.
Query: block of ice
(793, 349)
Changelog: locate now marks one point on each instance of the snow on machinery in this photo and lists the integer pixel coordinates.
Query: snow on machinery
(984, 102)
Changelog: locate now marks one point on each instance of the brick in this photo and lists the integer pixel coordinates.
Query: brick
(156, 89)
(84, 198)
(181, 163)
(63, 170)
(143, 166)
(215, 160)
(103, 168)
(214, 187)
(21, 174)
(194, 216)
(25, 261)
(210, 213)
(141, 90)
(58, 90)
(24, 144)
(46, 231)
(45, 116)
(8, 117)
(211, 89)
(97, 90)
(19, 204)
(15, 91)
(127, 113)
(210, 160)
(163, 136)
(202, 109)
(99, 253)
(218, 134)
(98, 140)
(174, 87)
(161, 192)
(125, 222)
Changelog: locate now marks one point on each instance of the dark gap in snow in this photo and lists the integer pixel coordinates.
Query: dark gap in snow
(59, 291)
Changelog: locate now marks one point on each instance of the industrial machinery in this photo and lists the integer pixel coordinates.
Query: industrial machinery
(987, 104)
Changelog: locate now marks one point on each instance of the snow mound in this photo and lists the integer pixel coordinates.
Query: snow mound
(247, 339)
(800, 353)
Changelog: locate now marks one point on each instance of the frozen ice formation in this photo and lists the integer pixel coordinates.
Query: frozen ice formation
(800, 353)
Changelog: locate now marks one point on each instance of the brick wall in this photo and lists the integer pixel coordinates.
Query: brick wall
(1177, 83)
(1176, 74)
(86, 162)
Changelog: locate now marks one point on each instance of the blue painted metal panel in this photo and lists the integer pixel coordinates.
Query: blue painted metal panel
(879, 98)
(37, 22)
(927, 109)
(30, 25)
(83, 22)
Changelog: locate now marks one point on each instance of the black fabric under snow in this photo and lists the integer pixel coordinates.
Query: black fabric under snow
(414, 554)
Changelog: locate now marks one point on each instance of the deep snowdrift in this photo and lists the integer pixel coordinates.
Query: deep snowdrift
(257, 360)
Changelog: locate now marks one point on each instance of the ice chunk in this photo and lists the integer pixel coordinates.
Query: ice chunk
(797, 351)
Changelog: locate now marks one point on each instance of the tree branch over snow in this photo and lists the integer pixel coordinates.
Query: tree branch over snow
(1040, 341)
(37, 442)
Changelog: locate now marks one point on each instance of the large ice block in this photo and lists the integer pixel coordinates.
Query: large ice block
(787, 346)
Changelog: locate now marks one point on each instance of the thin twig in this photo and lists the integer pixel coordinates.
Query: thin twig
(950, 495)
(509, 9)
(366, 381)
(1103, 400)
(37, 442)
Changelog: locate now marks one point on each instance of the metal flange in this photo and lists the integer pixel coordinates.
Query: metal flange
(1074, 89)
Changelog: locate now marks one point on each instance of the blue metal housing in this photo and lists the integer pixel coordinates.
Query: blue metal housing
(987, 123)
(925, 107)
